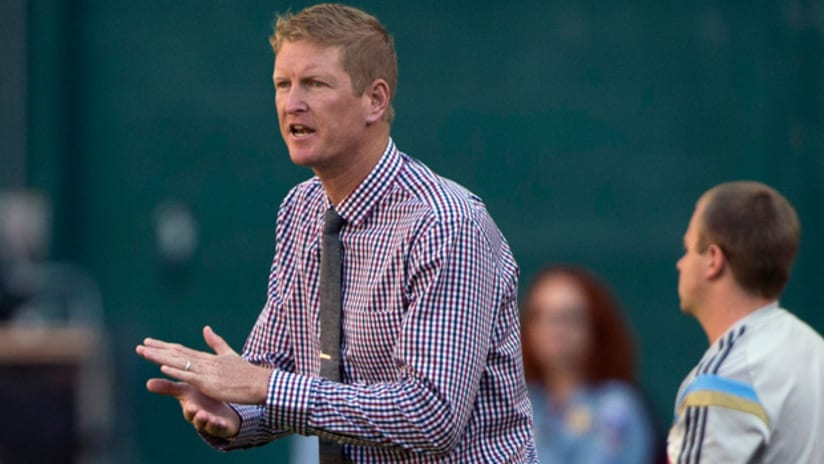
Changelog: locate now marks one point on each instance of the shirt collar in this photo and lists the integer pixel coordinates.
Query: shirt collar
(759, 314)
(751, 319)
(358, 204)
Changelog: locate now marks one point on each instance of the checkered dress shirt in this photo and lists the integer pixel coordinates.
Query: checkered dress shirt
(430, 345)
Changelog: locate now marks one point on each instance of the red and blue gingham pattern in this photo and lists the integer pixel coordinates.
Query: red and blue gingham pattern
(430, 349)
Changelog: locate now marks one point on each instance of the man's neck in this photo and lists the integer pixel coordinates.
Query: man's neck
(727, 309)
(340, 181)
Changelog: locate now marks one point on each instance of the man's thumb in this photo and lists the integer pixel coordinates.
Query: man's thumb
(216, 342)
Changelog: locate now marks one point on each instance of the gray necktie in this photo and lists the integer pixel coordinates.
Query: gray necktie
(330, 314)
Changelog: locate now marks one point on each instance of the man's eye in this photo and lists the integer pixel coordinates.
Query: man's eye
(282, 85)
(316, 84)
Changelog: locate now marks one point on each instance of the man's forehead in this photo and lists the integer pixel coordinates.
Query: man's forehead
(306, 55)
(309, 43)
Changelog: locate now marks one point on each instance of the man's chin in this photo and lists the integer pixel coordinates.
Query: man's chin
(686, 309)
(301, 162)
(302, 158)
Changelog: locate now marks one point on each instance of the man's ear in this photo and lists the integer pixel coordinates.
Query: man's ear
(716, 262)
(378, 96)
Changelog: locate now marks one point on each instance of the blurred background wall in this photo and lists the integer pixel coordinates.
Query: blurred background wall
(589, 128)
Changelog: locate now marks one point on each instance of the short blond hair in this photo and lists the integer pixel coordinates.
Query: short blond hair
(368, 51)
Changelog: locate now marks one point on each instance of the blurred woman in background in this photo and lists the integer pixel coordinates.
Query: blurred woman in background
(579, 364)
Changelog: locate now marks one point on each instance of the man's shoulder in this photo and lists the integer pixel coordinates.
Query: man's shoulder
(771, 353)
(781, 343)
(444, 198)
(797, 329)
(726, 357)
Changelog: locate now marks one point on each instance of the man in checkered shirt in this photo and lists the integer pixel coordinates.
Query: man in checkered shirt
(430, 343)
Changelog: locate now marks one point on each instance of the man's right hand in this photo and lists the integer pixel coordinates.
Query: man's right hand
(206, 414)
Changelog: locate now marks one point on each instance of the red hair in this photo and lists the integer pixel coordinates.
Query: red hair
(613, 353)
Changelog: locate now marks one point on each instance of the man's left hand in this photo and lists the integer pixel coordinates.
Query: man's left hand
(223, 376)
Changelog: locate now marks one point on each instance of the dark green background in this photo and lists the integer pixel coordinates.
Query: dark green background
(589, 127)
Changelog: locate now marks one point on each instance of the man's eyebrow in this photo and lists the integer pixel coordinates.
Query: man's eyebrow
(312, 74)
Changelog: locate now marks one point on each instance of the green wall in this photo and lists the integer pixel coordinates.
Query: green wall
(589, 128)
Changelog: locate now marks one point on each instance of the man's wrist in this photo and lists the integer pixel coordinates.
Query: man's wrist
(261, 385)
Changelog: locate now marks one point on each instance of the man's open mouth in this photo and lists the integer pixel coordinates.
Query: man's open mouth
(299, 130)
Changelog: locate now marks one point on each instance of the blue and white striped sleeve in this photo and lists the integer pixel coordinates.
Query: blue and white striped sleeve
(718, 419)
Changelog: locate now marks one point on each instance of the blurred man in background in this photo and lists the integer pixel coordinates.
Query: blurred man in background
(757, 395)
(428, 366)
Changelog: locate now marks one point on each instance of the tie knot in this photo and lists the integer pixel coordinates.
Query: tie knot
(332, 222)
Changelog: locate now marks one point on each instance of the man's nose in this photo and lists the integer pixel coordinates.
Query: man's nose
(293, 100)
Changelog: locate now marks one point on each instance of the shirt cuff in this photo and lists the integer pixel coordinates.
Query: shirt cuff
(287, 402)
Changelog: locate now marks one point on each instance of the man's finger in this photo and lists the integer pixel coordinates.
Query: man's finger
(213, 425)
(160, 346)
(209, 423)
(166, 387)
(216, 430)
(185, 377)
(216, 341)
(160, 357)
(200, 420)
(179, 361)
